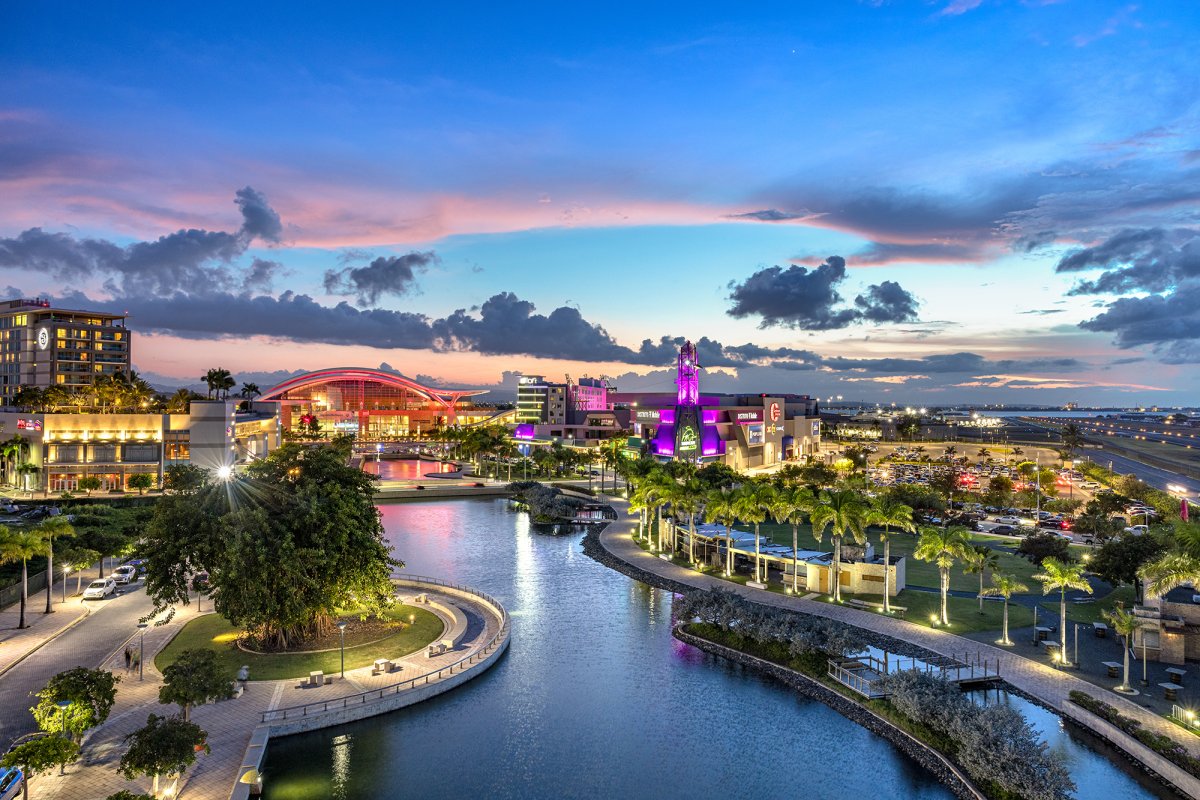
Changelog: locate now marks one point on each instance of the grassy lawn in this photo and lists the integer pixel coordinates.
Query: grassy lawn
(1091, 612)
(214, 632)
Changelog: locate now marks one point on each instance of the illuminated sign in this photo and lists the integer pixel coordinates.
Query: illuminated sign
(746, 417)
(29, 424)
(647, 415)
(816, 427)
(43, 338)
(774, 412)
(688, 439)
(754, 434)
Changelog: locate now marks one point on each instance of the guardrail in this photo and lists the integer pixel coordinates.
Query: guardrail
(362, 698)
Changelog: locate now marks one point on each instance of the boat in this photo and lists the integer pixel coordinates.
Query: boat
(10, 782)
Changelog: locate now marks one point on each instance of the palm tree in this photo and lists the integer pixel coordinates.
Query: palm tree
(1072, 437)
(889, 513)
(250, 391)
(942, 546)
(18, 545)
(210, 380)
(844, 513)
(753, 500)
(686, 499)
(225, 382)
(181, 401)
(50, 529)
(1124, 624)
(1178, 566)
(789, 507)
(656, 488)
(1060, 576)
(981, 559)
(612, 452)
(1004, 585)
(720, 506)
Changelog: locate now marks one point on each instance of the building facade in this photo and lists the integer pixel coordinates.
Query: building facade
(371, 404)
(62, 449)
(44, 346)
(541, 402)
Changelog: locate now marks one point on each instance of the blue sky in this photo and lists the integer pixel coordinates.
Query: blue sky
(1005, 180)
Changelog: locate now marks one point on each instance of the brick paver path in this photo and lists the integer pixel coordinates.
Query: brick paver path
(1039, 680)
(229, 723)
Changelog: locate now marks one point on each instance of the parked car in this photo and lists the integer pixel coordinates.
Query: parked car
(125, 574)
(10, 782)
(1137, 530)
(1008, 520)
(1004, 530)
(100, 589)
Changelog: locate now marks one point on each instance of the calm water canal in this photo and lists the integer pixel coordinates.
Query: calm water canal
(596, 699)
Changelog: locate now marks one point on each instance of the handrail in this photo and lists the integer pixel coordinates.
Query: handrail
(361, 698)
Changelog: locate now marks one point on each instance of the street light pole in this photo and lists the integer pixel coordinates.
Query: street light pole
(142, 650)
(66, 572)
(342, 630)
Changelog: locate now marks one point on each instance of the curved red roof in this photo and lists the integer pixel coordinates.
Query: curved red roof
(446, 397)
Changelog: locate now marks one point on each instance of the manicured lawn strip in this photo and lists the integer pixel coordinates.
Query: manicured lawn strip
(214, 632)
(1092, 612)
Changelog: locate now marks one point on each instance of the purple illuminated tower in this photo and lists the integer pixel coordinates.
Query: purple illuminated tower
(688, 378)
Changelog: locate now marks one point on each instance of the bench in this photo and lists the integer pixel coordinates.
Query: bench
(316, 678)
(383, 665)
(1170, 690)
(1176, 675)
(1100, 629)
(1113, 668)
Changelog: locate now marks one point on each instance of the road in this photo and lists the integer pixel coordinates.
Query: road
(86, 644)
(1156, 477)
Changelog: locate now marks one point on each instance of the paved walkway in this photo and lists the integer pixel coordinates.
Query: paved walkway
(1032, 677)
(229, 723)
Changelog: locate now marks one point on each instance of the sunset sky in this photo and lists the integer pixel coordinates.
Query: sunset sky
(898, 200)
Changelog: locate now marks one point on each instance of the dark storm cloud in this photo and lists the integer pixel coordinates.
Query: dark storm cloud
(390, 275)
(189, 260)
(261, 275)
(887, 302)
(1148, 260)
(1170, 322)
(798, 297)
(259, 220)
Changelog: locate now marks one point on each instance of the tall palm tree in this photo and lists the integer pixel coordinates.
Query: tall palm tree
(1060, 576)
(942, 546)
(981, 560)
(210, 380)
(890, 513)
(720, 506)
(657, 489)
(21, 545)
(225, 382)
(1004, 585)
(790, 505)
(753, 501)
(686, 498)
(1124, 624)
(845, 514)
(50, 529)
(1072, 437)
(250, 391)
(1178, 566)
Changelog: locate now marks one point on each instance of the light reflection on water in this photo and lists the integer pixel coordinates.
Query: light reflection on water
(594, 698)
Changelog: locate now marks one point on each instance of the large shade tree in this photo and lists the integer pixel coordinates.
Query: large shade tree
(291, 540)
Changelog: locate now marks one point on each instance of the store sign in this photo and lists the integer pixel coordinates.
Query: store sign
(747, 417)
(43, 338)
(774, 412)
(754, 434)
(816, 427)
(647, 415)
(29, 424)
(689, 439)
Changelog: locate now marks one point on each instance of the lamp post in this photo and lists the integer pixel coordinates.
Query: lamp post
(66, 572)
(63, 705)
(142, 649)
(342, 631)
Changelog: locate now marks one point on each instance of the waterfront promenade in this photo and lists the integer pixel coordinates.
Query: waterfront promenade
(1049, 686)
(231, 724)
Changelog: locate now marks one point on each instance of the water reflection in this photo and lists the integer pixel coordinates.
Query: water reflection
(594, 698)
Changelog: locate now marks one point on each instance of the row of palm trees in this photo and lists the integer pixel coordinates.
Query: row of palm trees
(107, 394)
(839, 512)
(22, 544)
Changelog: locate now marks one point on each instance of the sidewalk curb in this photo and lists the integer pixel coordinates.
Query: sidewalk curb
(87, 612)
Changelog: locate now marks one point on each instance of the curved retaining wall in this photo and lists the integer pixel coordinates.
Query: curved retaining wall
(299, 719)
(915, 749)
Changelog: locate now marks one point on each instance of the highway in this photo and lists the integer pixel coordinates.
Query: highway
(1156, 477)
(87, 644)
